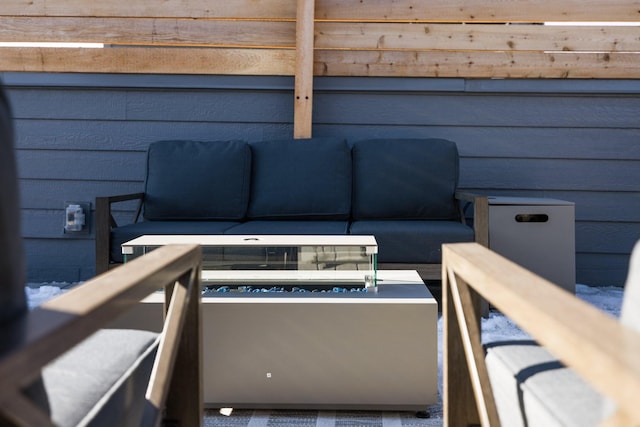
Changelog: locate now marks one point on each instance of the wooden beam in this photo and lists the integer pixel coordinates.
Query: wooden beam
(150, 31)
(243, 9)
(479, 64)
(282, 62)
(303, 102)
(150, 60)
(480, 10)
(478, 37)
(365, 10)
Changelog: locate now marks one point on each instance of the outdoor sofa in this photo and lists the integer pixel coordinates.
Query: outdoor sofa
(402, 191)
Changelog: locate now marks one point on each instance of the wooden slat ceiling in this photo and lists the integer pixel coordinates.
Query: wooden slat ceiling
(400, 38)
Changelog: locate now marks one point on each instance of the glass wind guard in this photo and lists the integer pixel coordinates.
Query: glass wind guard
(269, 260)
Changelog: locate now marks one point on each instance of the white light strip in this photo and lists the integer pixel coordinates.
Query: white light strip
(599, 24)
(52, 45)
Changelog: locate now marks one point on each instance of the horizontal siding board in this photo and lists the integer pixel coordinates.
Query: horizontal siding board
(51, 194)
(115, 135)
(547, 142)
(194, 106)
(135, 135)
(588, 86)
(607, 206)
(46, 223)
(606, 237)
(508, 142)
(61, 260)
(170, 81)
(550, 174)
(151, 105)
(602, 269)
(341, 84)
(68, 104)
(485, 110)
(81, 165)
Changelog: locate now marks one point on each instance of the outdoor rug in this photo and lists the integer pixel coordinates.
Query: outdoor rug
(280, 418)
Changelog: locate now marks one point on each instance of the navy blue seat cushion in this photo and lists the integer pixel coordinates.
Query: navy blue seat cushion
(197, 180)
(405, 179)
(128, 232)
(301, 179)
(412, 241)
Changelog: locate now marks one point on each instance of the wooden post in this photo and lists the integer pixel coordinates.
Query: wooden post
(302, 115)
(481, 220)
(466, 302)
(459, 401)
(185, 399)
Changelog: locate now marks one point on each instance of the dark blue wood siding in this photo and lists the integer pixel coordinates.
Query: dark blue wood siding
(82, 136)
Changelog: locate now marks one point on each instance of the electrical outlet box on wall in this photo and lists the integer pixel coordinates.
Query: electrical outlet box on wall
(77, 217)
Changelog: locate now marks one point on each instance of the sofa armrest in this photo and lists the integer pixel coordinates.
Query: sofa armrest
(41, 335)
(105, 222)
(596, 346)
(480, 204)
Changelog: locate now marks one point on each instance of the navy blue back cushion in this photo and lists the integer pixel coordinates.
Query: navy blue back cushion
(197, 180)
(301, 179)
(404, 179)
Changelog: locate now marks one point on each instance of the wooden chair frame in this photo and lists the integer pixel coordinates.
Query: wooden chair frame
(175, 389)
(578, 334)
(105, 222)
